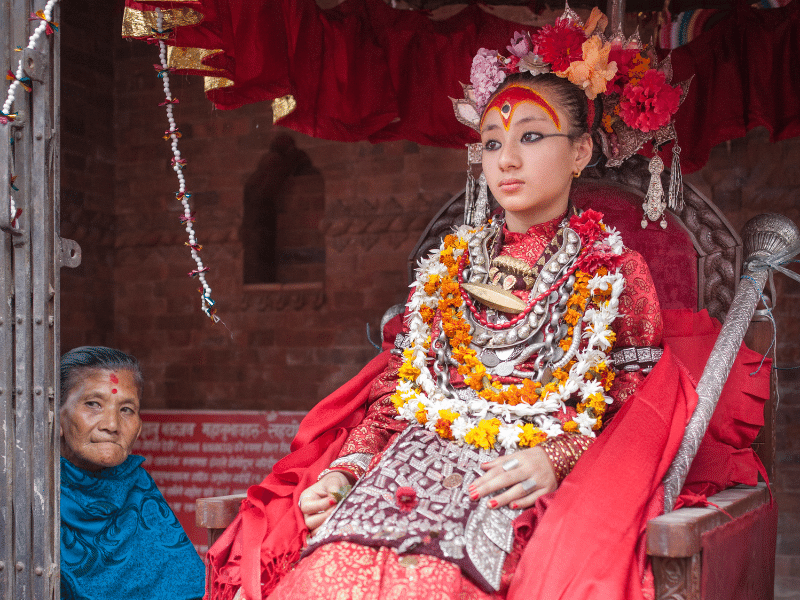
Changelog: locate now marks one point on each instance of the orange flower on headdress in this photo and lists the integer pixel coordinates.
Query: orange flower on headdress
(594, 71)
(597, 22)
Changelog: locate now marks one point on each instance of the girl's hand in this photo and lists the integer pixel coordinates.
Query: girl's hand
(525, 475)
(317, 502)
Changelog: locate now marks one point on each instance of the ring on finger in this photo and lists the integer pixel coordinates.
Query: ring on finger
(510, 464)
(528, 484)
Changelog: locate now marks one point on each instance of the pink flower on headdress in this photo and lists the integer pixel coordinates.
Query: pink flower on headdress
(594, 71)
(486, 75)
(559, 44)
(649, 105)
(523, 58)
(520, 44)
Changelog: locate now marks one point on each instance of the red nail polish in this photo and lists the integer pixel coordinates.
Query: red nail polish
(514, 505)
(492, 503)
(473, 495)
(332, 502)
(472, 488)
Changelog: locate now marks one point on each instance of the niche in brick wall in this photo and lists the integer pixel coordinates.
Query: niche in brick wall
(284, 203)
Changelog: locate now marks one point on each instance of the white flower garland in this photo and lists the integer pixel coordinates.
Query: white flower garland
(423, 394)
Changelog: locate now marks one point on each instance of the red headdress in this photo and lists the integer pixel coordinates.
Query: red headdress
(638, 101)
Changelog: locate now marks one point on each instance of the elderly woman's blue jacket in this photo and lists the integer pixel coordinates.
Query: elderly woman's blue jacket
(120, 539)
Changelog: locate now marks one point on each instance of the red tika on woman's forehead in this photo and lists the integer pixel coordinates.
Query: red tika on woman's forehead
(507, 101)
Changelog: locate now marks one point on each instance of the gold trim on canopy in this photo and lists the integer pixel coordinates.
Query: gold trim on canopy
(282, 107)
(214, 83)
(140, 23)
(190, 58)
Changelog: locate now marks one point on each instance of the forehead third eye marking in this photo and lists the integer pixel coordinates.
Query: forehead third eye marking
(515, 94)
(113, 378)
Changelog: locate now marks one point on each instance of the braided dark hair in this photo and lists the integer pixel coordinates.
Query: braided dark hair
(76, 362)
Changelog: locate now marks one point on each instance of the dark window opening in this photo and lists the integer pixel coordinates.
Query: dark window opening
(284, 203)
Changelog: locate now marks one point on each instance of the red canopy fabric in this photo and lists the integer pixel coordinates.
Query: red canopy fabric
(366, 71)
(362, 71)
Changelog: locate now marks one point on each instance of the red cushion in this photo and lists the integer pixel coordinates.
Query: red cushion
(725, 457)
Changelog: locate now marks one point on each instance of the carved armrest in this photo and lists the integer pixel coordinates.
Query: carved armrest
(216, 513)
(679, 533)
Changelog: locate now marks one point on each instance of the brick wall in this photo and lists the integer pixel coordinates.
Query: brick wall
(87, 170)
(286, 345)
(282, 345)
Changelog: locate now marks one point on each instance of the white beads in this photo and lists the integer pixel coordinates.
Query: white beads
(206, 302)
(19, 74)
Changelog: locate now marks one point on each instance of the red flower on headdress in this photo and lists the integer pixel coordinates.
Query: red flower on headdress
(559, 44)
(649, 104)
(624, 57)
(406, 498)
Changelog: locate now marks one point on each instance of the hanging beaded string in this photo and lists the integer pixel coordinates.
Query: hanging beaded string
(19, 80)
(178, 164)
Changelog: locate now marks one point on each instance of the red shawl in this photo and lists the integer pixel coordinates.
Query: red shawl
(589, 542)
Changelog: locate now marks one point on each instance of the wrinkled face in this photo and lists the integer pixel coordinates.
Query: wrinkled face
(530, 175)
(100, 419)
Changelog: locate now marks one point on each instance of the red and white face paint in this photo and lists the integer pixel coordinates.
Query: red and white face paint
(528, 161)
(507, 101)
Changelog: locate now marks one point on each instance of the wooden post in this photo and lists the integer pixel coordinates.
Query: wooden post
(30, 259)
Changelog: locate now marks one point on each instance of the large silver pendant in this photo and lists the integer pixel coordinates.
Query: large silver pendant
(654, 202)
(539, 333)
(526, 329)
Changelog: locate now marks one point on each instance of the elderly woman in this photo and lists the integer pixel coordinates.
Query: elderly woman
(119, 538)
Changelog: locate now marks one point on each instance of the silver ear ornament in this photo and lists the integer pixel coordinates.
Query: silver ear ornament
(654, 204)
(675, 196)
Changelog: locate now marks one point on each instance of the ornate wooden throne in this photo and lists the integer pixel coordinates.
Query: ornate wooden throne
(696, 263)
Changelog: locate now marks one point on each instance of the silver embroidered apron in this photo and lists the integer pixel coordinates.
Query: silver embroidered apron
(441, 521)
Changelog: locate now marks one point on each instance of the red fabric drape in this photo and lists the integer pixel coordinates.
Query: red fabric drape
(745, 75)
(365, 71)
(588, 542)
(739, 556)
(268, 533)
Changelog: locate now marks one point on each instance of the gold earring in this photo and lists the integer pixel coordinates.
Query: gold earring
(576, 173)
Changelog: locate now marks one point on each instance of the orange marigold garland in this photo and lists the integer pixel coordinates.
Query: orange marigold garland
(503, 413)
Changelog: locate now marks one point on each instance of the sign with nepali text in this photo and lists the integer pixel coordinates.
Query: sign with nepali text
(197, 454)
